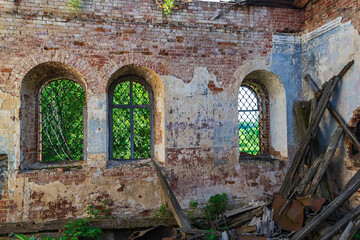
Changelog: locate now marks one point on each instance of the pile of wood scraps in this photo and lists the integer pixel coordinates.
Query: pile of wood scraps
(307, 182)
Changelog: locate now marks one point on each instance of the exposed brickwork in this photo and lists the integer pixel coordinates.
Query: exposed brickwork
(320, 12)
(42, 40)
(139, 28)
(7, 207)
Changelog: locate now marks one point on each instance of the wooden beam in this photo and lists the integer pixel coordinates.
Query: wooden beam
(329, 209)
(110, 223)
(330, 151)
(344, 221)
(300, 3)
(179, 215)
(304, 146)
(272, 3)
(336, 115)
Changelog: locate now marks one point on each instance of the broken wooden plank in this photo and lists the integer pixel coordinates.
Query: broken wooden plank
(330, 151)
(303, 149)
(246, 229)
(239, 211)
(303, 183)
(304, 146)
(342, 223)
(354, 230)
(329, 209)
(107, 224)
(244, 218)
(299, 116)
(301, 3)
(336, 116)
(345, 235)
(179, 214)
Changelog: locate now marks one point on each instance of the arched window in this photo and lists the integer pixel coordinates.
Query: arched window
(130, 119)
(61, 126)
(253, 121)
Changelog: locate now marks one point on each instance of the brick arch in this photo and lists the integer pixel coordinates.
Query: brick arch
(32, 60)
(114, 64)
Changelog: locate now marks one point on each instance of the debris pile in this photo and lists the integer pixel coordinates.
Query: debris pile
(305, 207)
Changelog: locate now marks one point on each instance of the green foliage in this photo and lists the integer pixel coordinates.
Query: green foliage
(357, 236)
(62, 103)
(168, 6)
(75, 4)
(217, 205)
(193, 205)
(161, 212)
(81, 228)
(211, 234)
(23, 237)
(122, 121)
(100, 211)
(249, 138)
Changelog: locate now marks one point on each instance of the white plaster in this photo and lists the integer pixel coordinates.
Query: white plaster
(286, 38)
(321, 30)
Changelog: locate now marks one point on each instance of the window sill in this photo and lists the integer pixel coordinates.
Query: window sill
(57, 165)
(264, 158)
(120, 163)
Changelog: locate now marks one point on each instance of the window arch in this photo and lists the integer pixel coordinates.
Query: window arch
(253, 120)
(130, 119)
(61, 121)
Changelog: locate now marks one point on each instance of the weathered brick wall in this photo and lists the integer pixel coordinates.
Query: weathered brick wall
(197, 59)
(320, 12)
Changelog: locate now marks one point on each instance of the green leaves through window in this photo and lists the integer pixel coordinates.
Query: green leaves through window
(130, 118)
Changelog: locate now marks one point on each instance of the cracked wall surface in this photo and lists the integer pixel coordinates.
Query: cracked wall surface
(195, 65)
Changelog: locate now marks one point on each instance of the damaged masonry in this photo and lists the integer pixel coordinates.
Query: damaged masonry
(220, 120)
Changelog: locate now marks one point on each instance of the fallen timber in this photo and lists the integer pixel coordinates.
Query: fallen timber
(303, 149)
(179, 214)
(336, 115)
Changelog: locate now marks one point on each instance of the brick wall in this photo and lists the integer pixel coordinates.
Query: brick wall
(92, 44)
(317, 13)
(101, 31)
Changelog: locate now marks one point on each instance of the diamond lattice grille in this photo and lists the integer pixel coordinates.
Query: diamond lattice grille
(62, 103)
(131, 121)
(248, 117)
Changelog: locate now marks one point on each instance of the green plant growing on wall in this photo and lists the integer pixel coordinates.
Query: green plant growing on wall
(193, 205)
(161, 212)
(81, 228)
(99, 212)
(75, 4)
(168, 6)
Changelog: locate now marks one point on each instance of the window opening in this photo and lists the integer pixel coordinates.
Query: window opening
(131, 133)
(62, 131)
(248, 117)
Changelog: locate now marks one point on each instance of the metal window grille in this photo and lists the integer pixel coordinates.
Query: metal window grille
(131, 118)
(249, 112)
(61, 121)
